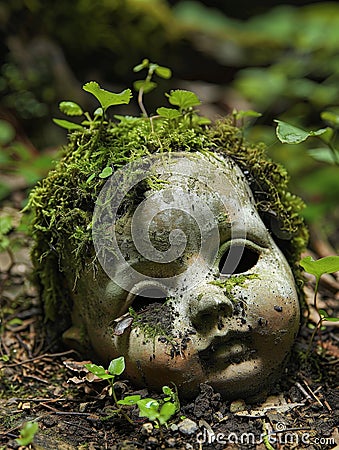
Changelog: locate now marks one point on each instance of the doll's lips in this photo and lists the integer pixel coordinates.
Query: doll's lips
(227, 350)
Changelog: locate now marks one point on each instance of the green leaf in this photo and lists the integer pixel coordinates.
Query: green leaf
(249, 113)
(167, 390)
(117, 365)
(322, 313)
(163, 72)
(98, 112)
(331, 118)
(90, 178)
(327, 135)
(68, 125)
(4, 243)
(148, 407)
(107, 98)
(6, 224)
(289, 134)
(143, 65)
(71, 109)
(328, 264)
(332, 319)
(147, 86)
(129, 400)
(201, 120)
(15, 321)
(7, 132)
(183, 99)
(166, 412)
(106, 172)
(99, 371)
(318, 132)
(322, 154)
(168, 113)
(27, 433)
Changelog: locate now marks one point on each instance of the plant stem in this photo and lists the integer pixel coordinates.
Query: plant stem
(141, 105)
(318, 325)
(316, 328)
(120, 410)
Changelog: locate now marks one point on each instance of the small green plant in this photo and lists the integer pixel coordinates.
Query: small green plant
(183, 100)
(6, 226)
(147, 85)
(239, 116)
(329, 264)
(27, 433)
(289, 134)
(115, 368)
(105, 98)
(156, 411)
(11, 224)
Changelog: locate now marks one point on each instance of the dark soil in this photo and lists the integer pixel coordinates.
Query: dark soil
(75, 411)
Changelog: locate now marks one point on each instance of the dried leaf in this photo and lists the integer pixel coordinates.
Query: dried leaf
(76, 366)
(121, 324)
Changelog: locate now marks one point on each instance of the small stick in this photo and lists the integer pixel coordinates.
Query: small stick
(78, 426)
(46, 355)
(313, 394)
(306, 394)
(328, 406)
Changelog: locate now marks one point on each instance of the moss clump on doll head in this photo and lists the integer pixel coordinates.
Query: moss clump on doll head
(62, 204)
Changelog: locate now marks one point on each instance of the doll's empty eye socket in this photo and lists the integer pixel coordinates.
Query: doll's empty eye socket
(238, 259)
(147, 297)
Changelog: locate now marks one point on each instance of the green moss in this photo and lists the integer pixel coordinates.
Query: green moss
(63, 202)
(230, 283)
(149, 326)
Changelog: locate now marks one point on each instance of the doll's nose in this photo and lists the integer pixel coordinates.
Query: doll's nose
(208, 309)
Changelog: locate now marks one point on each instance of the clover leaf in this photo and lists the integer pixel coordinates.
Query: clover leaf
(183, 99)
(168, 113)
(106, 98)
(70, 108)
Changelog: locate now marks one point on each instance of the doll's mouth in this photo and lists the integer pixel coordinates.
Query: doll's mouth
(224, 351)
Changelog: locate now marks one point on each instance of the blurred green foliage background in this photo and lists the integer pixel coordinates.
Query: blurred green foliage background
(281, 60)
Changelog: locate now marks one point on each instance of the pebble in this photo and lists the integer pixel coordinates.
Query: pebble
(146, 428)
(82, 407)
(171, 442)
(187, 426)
(49, 421)
(237, 405)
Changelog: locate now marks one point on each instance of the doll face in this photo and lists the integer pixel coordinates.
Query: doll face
(213, 297)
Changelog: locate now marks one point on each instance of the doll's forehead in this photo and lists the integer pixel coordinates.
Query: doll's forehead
(197, 177)
(185, 207)
(221, 185)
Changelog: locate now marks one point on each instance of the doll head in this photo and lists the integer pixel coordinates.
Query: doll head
(181, 272)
